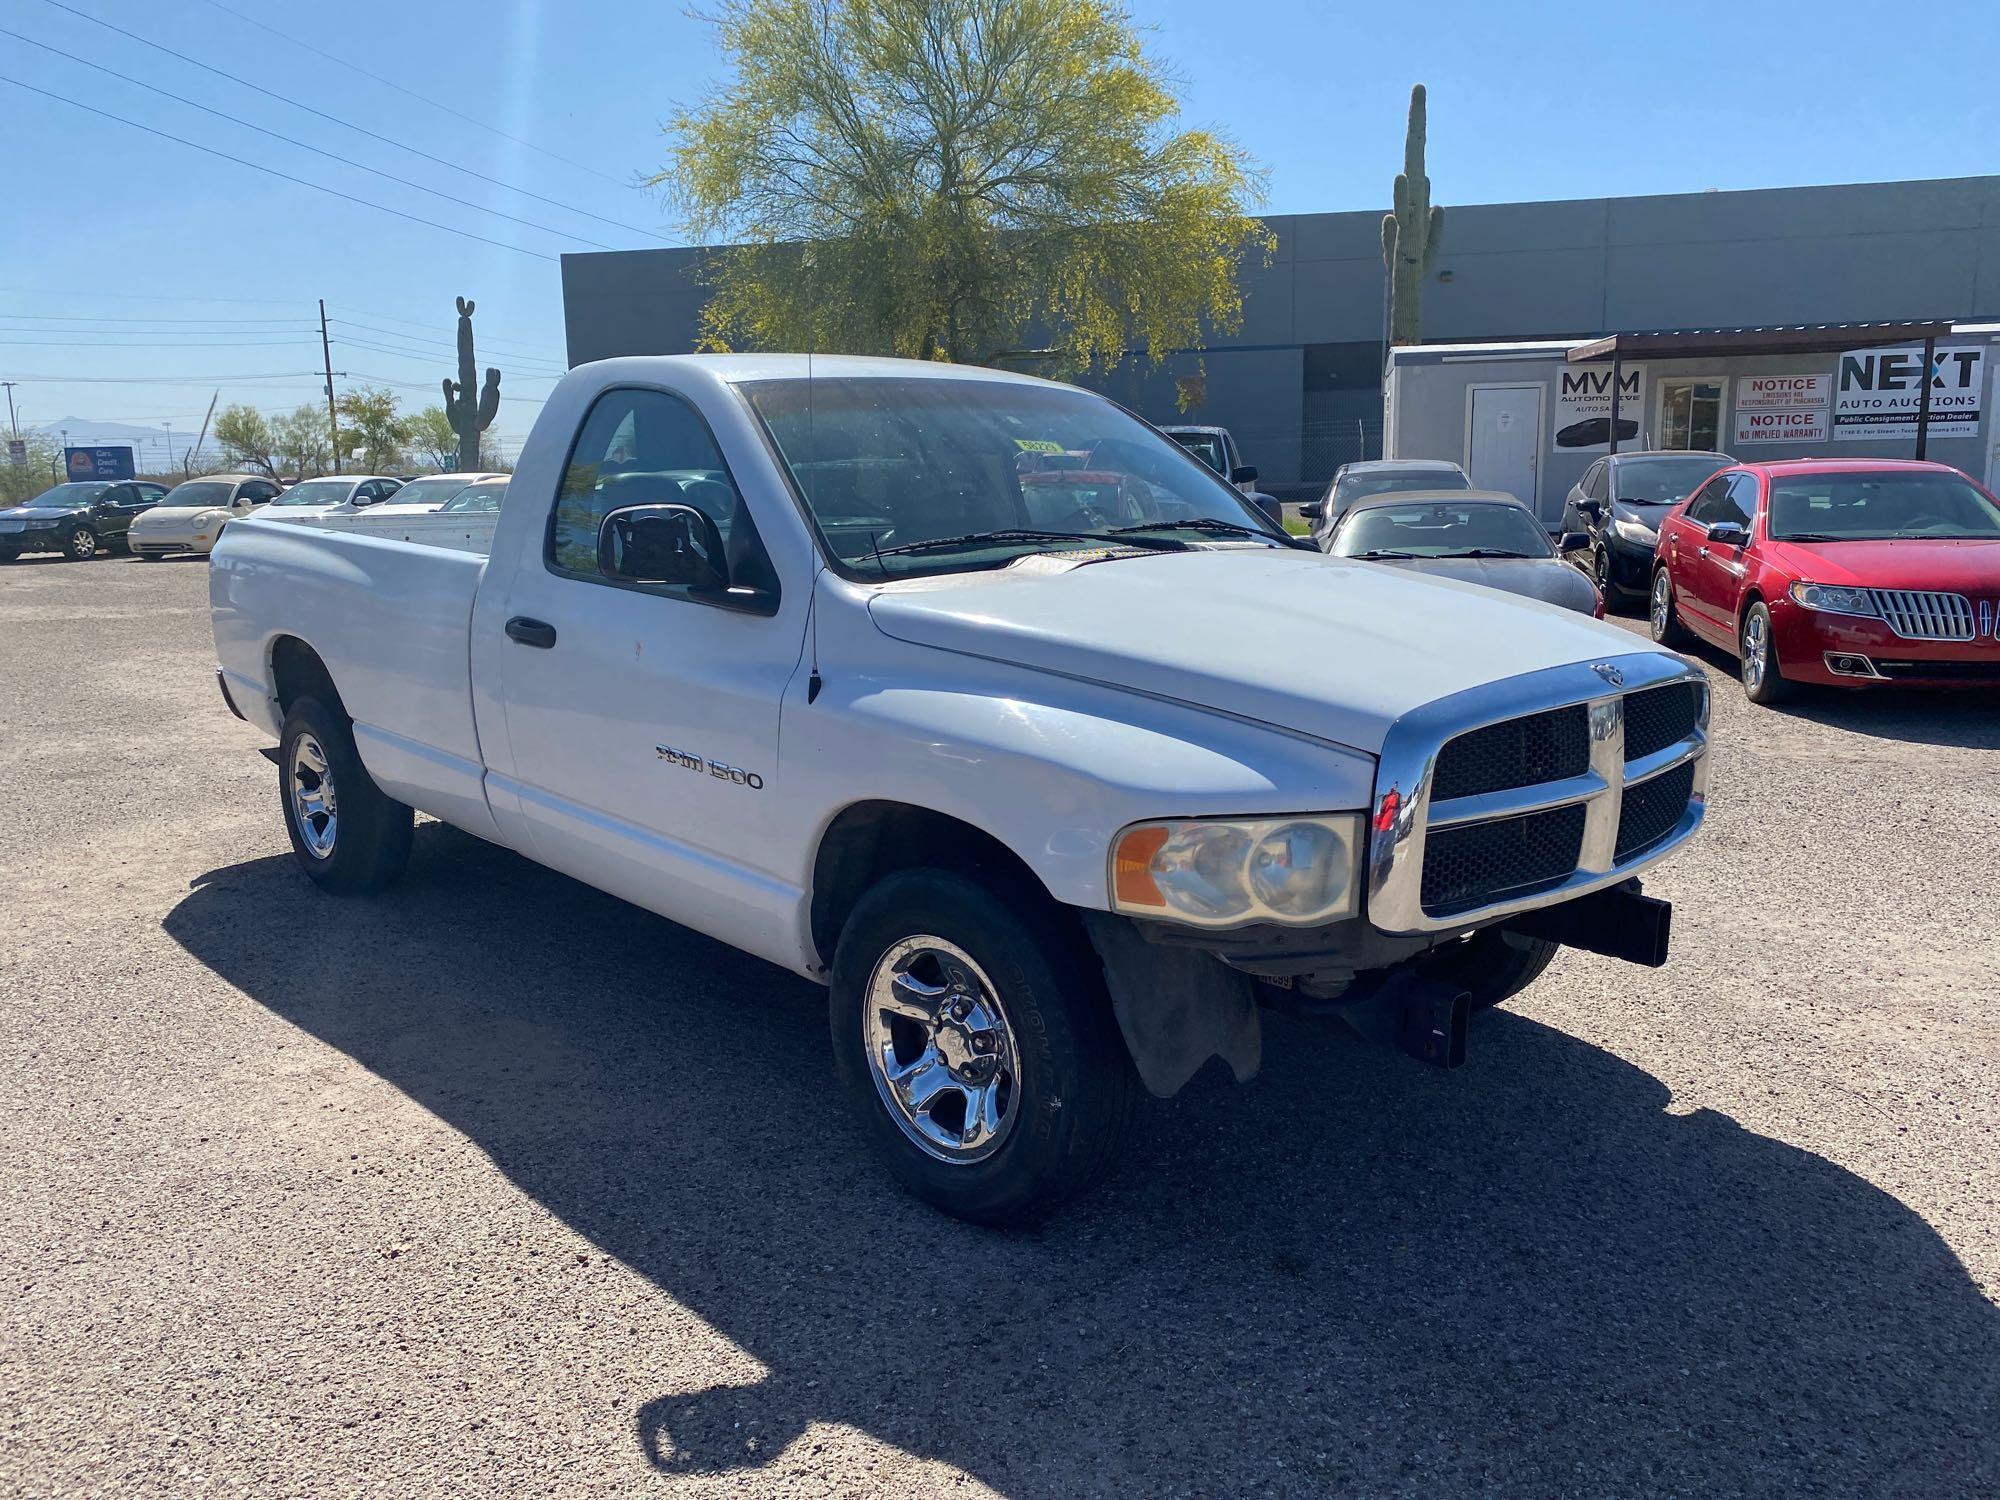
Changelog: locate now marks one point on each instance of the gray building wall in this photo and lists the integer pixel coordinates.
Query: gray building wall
(1295, 383)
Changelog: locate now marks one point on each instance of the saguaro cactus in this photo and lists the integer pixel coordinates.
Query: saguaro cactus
(1410, 234)
(468, 414)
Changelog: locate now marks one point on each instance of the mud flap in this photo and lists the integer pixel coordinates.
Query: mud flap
(1177, 1007)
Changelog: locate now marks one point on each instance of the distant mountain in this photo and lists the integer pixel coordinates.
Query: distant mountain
(149, 444)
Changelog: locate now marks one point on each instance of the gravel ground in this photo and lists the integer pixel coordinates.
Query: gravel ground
(497, 1186)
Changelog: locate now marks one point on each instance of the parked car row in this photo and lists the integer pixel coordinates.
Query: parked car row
(151, 521)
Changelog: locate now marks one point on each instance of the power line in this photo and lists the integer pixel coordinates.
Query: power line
(349, 125)
(142, 344)
(412, 93)
(518, 360)
(305, 146)
(67, 318)
(162, 379)
(273, 171)
(414, 323)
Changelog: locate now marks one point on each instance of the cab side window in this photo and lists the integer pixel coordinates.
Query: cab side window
(640, 447)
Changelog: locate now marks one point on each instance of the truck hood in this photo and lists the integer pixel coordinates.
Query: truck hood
(1327, 647)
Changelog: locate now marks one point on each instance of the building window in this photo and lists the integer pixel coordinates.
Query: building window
(1691, 415)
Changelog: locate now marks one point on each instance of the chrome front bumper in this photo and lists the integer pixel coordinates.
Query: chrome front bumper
(1403, 814)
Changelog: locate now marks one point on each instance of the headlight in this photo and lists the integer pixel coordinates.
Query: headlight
(1216, 873)
(1638, 533)
(1834, 598)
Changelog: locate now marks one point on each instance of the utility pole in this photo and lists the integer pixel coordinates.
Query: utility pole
(326, 353)
(204, 431)
(12, 422)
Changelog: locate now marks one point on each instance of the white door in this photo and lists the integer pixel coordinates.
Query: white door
(1504, 445)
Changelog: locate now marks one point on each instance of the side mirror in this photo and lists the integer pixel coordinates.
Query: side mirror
(1273, 508)
(1243, 474)
(662, 544)
(1312, 510)
(1592, 508)
(1728, 534)
(1573, 541)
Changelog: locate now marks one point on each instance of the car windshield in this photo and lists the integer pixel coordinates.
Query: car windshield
(906, 475)
(1355, 487)
(1861, 506)
(433, 491)
(197, 492)
(315, 492)
(1206, 446)
(1482, 529)
(484, 496)
(64, 495)
(1663, 481)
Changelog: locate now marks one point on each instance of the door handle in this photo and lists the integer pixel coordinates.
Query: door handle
(1702, 553)
(531, 632)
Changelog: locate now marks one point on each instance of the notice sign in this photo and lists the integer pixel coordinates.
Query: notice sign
(1878, 391)
(1783, 408)
(1583, 407)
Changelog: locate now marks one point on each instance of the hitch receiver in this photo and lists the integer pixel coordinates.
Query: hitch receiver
(1619, 923)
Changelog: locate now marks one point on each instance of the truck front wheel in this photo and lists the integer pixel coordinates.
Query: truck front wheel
(976, 1040)
(348, 834)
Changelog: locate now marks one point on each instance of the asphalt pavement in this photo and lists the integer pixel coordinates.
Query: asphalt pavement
(494, 1185)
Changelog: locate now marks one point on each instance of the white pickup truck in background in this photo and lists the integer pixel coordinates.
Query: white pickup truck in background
(976, 699)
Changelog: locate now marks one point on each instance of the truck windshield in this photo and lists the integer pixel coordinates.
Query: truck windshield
(1886, 505)
(984, 472)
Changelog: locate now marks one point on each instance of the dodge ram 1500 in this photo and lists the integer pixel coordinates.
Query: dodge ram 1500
(1055, 785)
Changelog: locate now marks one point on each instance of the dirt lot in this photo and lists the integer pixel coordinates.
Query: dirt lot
(498, 1186)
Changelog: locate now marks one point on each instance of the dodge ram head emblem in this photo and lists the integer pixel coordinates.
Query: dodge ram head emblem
(1609, 673)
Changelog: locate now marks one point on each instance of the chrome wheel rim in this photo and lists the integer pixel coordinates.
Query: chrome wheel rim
(84, 543)
(941, 1050)
(1756, 641)
(309, 781)
(1662, 604)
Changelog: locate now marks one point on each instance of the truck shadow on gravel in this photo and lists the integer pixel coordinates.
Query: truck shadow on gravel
(1353, 1275)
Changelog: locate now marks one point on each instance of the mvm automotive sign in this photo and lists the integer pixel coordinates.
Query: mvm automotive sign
(1583, 407)
(1879, 390)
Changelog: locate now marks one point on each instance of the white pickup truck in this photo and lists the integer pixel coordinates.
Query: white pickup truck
(977, 700)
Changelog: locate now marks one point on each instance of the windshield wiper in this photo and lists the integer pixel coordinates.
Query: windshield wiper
(1814, 536)
(1195, 523)
(1383, 552)
(1489, 552)
(1019, 534)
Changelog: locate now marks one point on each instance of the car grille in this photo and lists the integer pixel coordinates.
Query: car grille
(1514, 753)
(1660, 717)
(1480, 863)
(1917, 615)
(1474, 821)
(1648, 812)
(1942, 671)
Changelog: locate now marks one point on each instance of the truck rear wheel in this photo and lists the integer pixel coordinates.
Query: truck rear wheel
(975, 1038)
(348, 834)
(1491, 965)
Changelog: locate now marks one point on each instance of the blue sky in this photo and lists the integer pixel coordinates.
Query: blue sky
(166, 247)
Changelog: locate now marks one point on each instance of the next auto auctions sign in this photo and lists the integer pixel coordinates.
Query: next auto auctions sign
(1878, 391)
(1782, 408)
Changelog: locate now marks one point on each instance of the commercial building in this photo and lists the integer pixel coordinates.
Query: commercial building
(1300, 382)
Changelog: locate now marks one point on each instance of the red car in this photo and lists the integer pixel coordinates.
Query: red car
(1841, 572)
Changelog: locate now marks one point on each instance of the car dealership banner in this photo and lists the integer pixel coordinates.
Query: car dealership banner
(1878, 392)
(1783, 408)
(1583, 407)
(98, 463)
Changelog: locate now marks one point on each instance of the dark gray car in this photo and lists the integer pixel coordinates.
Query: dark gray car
(1475, 536)
(1618, 504)
(80, 519)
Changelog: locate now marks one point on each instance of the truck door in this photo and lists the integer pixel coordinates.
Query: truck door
(641, 721)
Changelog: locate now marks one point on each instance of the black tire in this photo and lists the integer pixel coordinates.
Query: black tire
(81, 544)
(1491, 966)
(1763, 683)
(1075, 1088)
(369, 841)
(1663, 623)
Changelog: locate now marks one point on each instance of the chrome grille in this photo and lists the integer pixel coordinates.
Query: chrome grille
(1920, 615)
(1482, 809)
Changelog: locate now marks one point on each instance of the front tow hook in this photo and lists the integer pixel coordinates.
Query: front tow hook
(1421, 1017)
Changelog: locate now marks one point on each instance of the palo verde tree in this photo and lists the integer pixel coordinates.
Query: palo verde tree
(1411, 231)
(934, 178)
(432, 438)
(371, 429)
(299, 441)
(247, 439)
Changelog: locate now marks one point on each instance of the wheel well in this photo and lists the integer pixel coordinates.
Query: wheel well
(297, 671)
(1750, 597)
(871, 840)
